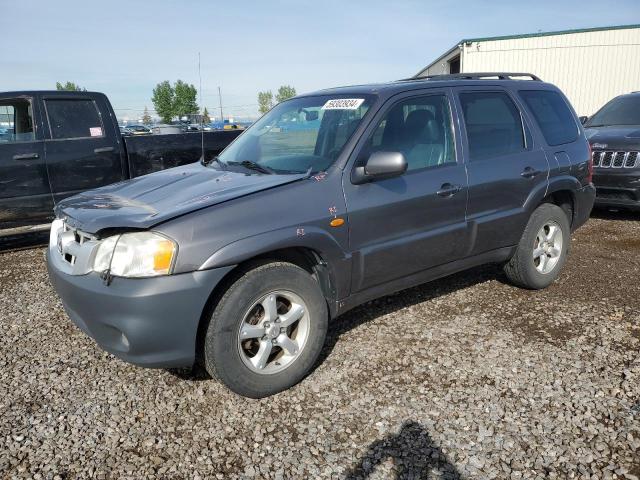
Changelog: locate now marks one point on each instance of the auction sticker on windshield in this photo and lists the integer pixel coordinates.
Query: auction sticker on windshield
(343, 104)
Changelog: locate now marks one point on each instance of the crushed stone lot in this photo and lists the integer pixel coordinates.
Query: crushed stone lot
(465, 377)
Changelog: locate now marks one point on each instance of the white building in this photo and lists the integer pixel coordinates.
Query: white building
(591, 66)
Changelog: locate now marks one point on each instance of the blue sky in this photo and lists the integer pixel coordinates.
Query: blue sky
(123, 48)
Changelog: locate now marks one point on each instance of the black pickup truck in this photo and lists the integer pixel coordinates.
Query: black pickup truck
(54, 144)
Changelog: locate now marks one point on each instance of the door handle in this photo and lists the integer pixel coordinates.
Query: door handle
(448, 190)
(26, 156)
(103, 150)
(530, 172)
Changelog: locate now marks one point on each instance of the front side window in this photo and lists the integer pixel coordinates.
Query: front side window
(493, 123)
(624, 110)
(298, 135)
(419, 128)
(16, 121)
(74, 119)
(552, 115)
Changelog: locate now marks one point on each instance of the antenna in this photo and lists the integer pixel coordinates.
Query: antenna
(220, 99)
(201, 114)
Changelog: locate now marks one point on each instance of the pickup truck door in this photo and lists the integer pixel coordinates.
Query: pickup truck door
(407, 224)
(505, 165)
(25, 196)
(83, 147)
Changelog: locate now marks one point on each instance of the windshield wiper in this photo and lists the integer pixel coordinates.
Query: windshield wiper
(215, 159)
(251, 165)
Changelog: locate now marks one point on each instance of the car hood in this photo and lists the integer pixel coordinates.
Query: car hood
(613, 137)
(146, 201)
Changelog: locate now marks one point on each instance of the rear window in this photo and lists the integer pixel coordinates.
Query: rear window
(74, 119)
(552, 114)
(494, 125)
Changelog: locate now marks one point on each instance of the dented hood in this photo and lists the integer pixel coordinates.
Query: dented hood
(149, 200)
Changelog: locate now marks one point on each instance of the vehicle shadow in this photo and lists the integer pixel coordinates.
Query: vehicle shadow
(613, 214)
(413, 454)
(378, 308)
(406, 298)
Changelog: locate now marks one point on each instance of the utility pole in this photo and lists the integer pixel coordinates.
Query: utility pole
(220, 97)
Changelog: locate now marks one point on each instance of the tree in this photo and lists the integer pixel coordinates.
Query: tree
(146, 118)
(70, 86)
(265, 101)
(285, 92)
(163, 100)
(205, 116)
(185, 99)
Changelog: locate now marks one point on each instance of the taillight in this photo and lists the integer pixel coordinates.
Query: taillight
(589, 177)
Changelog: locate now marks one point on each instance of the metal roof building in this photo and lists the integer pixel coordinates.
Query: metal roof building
(591, 65)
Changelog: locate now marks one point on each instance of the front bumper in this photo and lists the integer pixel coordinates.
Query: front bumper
(617, 188)
(584, 199)
(151, 322)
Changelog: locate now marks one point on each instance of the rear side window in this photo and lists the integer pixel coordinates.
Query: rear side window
(552, 114)
(16, 121)
(74, 119)
(494, 124)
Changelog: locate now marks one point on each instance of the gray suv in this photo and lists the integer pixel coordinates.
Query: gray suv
(330, 200)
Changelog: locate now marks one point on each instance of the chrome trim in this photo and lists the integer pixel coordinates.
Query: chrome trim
(598, 157)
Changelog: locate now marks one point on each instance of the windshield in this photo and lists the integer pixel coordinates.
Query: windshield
(298, 135)
(619, 111)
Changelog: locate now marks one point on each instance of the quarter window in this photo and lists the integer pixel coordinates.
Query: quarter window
(419, 128)
(16, 121)
(494, 124)
(552, 114)
(74, 119)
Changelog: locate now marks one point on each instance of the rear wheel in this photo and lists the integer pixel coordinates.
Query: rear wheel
(542, 250)
(267, 330)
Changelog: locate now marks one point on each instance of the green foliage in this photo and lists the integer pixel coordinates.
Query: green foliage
(265, 101)
(205, 116)
(285, 92)
(146, 118)
(185, 99)
(70, 86)
(174, 101)
(162, 99)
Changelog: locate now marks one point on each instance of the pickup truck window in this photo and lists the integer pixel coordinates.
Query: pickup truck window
(493, 123)
(419, 128)
(552, 114)
(16, 121)
(299, 134)
(74, 119)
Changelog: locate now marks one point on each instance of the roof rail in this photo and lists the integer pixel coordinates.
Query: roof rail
(474, 76)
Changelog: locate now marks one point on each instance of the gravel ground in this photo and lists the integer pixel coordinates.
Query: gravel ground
(466, 377)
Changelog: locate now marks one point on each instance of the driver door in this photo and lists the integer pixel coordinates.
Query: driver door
(407, 224)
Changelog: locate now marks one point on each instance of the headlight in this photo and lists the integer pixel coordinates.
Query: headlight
(141, 254)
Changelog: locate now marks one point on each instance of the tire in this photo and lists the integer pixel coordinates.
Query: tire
(245, 346)
(540, 255)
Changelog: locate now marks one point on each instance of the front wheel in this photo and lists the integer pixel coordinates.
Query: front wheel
(267, 330)
(542, 250)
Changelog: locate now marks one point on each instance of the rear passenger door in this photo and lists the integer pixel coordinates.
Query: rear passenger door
(407, 224)
(83, 151)
(504, 166)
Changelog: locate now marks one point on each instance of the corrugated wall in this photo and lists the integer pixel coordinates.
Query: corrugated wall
(590, 67)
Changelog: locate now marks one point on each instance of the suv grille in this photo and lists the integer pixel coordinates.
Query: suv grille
(608, 159)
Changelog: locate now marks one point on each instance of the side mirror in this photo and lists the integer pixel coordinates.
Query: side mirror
(584, 119)
(380, 165)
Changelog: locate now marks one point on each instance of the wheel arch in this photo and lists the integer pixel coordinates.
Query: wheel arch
(319, 262)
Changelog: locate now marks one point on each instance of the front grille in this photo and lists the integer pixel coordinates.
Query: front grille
(69, 243)
(610, 159)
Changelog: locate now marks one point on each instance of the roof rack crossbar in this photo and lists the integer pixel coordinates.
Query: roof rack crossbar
(474, 76)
